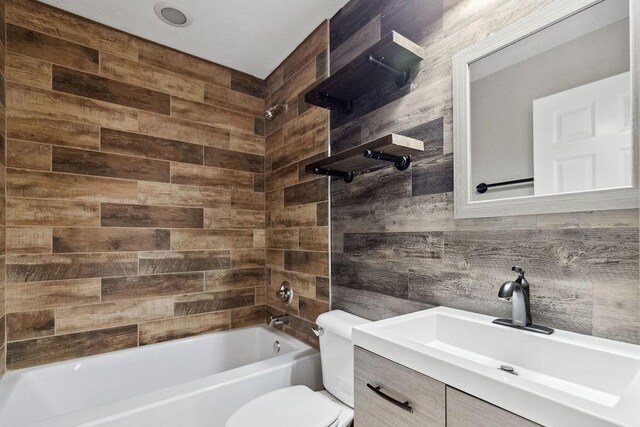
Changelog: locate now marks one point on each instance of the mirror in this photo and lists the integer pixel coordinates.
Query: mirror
(544, 114)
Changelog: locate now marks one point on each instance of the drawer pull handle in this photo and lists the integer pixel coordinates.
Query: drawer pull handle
(404, 405)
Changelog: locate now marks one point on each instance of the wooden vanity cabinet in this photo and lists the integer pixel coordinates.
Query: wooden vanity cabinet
(464, 410)
(388, 394)
(404, 398)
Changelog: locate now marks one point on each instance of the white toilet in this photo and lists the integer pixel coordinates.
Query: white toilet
(299, 406)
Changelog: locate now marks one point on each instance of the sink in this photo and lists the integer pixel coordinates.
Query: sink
(562, 379)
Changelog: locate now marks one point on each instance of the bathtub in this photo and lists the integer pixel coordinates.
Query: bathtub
(196, 381)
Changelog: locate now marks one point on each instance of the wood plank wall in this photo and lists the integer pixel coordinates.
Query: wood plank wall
(395, 245)
(135, 191)
(296, 202)
(3, 203)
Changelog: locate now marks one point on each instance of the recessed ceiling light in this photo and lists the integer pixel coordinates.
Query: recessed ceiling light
(172, 14)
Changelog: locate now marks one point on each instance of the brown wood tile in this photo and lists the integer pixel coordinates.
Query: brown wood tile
(286, 238)
(247, 258)
(274, 258)
(177, 262)
(84, 162)
(135, 73)
(194, 239)
(306, 192)
(297, 150)
(297, 216)
(29, 71)
(248, 200)
(28, 155)
(314, 239)
(52, 131)
(307, 262)
(210, 177)
(134, 144)
(23, 354)
(111, 91)
(184, 64)
(310, 309)
(247, 143)
(233, 100)
(236, 160)
(315, 43)
(207, 302)
(183, 130)
(51, 49)
(259, 238)
(29, 240)
(155, 193)
(117, 215)
(322, 289)
(247, 316)
(111, 314)
(36, 268)
(68, 240)
(247, 84)
(216, 281)
(42, 295)
(233, 219)
(322, 213)
(283, 177)
(211, 115)
(157, 285)
(31, 324)
(28, 100)
(182, 327)
(44, 212)
(59, 23)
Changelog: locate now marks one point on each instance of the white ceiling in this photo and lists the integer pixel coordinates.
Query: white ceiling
(253, 36)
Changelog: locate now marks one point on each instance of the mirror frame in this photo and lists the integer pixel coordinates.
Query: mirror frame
(592, 200)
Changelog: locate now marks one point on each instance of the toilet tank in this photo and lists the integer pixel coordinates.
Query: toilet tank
(336, 353)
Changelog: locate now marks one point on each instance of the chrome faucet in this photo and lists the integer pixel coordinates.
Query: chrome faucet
(518, 292)
(279, 320)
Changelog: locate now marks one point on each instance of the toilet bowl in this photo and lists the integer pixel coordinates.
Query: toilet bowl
(299, 406)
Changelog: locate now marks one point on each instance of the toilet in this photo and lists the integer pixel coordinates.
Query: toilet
(299, 406)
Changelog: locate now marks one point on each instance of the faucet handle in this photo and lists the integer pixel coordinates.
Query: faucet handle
(518, 270)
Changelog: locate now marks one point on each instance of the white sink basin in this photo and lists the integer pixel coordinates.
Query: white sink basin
(563, 379)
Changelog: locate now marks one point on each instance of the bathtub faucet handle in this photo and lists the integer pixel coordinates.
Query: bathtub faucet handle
(285, 293)
(318, 331)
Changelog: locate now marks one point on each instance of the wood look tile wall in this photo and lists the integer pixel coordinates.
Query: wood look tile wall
(135, 191)
(395, 245)
(297, 235)
(3, 204)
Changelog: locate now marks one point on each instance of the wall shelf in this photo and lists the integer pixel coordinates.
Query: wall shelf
(392, 148)
(393, 56)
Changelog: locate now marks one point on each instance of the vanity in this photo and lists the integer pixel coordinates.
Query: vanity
(450, 367)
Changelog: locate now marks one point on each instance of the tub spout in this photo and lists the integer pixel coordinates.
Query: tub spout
(279, 320)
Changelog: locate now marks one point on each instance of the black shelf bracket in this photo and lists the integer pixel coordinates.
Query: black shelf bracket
(346, 106)
(347, 176)
(402, 76)
(482, 187)
(401, 162)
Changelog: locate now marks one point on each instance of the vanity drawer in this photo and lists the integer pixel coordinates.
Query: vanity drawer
(394, 384)
(464, 410)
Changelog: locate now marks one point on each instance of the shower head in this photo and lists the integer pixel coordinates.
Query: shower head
(271, 113)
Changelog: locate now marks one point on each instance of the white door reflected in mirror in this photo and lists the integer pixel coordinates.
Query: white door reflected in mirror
(582, 138)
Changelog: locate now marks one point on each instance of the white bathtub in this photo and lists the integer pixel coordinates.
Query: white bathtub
(196, 381)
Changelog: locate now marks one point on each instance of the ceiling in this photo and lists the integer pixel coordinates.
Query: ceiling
(253, 36)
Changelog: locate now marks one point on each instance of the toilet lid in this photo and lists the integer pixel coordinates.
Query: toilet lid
(288, 407)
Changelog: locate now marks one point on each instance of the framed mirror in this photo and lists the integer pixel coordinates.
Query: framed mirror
(546, 113)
